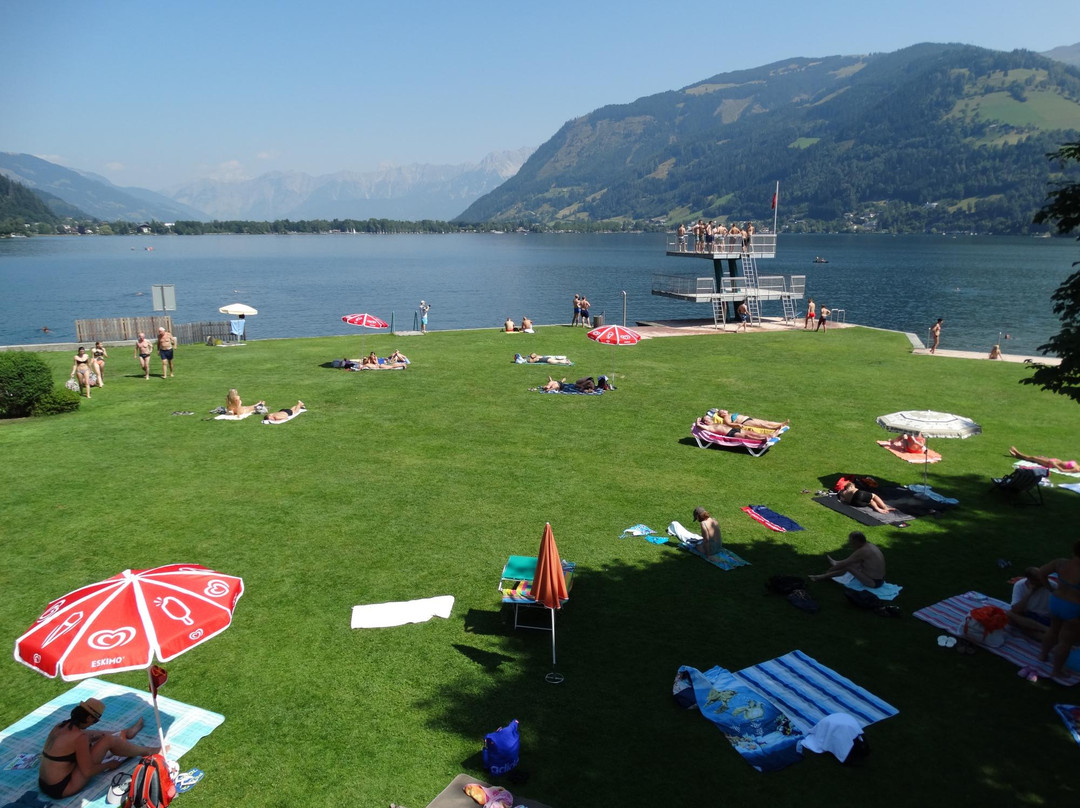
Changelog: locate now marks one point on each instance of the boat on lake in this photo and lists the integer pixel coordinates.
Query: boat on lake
(819, 260)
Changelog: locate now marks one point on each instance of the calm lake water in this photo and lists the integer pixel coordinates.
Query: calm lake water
(302, 285)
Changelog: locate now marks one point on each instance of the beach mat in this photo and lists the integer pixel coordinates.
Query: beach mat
(723, 558)
(400, 613)
(453, 796)
(864, 516)
(911, 457)
(907, 503)
(568, 390)
(184, 726)
(1019, 649)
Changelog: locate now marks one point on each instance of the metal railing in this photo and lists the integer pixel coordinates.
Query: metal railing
(761, 245)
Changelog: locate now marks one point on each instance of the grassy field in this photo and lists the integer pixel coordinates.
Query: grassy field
(420, 483)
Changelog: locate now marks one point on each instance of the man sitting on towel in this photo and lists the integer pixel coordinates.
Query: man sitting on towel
(866, 563)
(1030, 610)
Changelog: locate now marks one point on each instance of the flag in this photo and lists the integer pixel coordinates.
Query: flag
(774, 201)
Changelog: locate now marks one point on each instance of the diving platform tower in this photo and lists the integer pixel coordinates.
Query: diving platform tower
(723, 291)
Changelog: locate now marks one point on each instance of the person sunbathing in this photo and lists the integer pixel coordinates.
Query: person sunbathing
(234, 406)
(534, 359)
(719, 428)
(866, 563)
(858, 498)
(552, 384)
(72, 755)
(735, 419)
(911, 444)
(286, 413)
(397, 357)
(1049, 462)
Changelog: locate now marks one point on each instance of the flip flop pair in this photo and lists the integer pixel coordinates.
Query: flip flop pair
(945, 641)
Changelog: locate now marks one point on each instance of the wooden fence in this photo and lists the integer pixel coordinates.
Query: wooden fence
(117, 329)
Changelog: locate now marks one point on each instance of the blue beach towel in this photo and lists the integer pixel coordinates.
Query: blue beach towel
(237, 327)
(886, 591)
(722, 558)
(569, 389)
(771, 519)
(1070, 714)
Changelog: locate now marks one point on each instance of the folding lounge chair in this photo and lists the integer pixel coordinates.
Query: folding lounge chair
(755, 446)
(1022, 481)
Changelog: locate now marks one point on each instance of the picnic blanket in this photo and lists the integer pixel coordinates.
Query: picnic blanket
(886, 591)
(911, 457)
(1027, 464)
(1070, 714)
(1019, 649)
(228, 416)
(568, 389)
(295, 414)
(401, 612)
(802, 690)
(771, 519)
(184, 726)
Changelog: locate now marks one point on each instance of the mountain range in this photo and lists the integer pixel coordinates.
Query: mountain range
(931, 135)
(411, 192)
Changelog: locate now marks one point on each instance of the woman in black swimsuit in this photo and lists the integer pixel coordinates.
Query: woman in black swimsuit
(286, 413)
(100, 355)
(72, 755)
(858, 498)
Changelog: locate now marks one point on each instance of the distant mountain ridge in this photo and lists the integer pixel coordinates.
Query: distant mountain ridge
(92, 195)
(948, 131)
(1069, 54)
(412, 192)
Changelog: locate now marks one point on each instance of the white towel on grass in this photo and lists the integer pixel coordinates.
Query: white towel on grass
(398, 613)
(682, 534)
(285, 421)
(230, 417)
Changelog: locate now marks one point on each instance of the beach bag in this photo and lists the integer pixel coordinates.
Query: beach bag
(986, 626)
(501, 749)
(151, 785)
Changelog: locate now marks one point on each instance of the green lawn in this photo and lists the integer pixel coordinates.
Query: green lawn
(420, 483)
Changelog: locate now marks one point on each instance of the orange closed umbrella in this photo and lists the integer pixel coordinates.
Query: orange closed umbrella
(549, 586)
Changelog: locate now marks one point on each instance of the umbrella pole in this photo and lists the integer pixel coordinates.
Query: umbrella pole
(553, 678)
(157, 713)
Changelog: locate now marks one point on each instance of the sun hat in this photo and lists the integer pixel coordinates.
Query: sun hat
(94, 707)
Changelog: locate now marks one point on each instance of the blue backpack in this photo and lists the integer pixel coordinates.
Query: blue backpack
(501, 749)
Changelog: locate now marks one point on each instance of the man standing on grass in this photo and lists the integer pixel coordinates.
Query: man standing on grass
(166, 344)
(866, 563)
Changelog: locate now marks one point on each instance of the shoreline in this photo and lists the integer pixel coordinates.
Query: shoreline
(649, 329)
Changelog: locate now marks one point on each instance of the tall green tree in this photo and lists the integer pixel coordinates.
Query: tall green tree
(1063, 212)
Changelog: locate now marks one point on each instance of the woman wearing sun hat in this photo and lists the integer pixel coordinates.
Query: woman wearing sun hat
(72, 755)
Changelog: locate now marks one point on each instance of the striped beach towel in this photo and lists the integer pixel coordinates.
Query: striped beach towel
(722, 558)
(807, 691)
(771, 519)
(1018, 648)
(21, 743)
(1070, 714)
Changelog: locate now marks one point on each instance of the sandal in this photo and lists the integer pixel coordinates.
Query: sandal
(945, 641)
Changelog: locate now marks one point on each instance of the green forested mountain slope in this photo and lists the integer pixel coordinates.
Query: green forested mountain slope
(17, 202)
(949, 136)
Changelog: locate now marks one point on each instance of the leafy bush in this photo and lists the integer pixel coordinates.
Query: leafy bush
(56, 401)
(24, 378)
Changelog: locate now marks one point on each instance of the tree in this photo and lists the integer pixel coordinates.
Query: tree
(1063, 212)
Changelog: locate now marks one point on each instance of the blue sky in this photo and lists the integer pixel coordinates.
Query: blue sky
(155, 94)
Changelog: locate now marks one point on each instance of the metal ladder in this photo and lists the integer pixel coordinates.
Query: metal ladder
(719, 316)
(789, 304)
(753, 302)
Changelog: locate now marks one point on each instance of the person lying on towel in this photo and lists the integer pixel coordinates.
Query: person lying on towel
(286, 413)
(866, 563)
(534, 359)
(911, 444)
(735, 431)
(735, 420)
(1070, 466)
(858, 498)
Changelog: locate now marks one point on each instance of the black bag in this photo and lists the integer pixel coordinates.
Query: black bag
(801, 599)
(785, 584)
(862, 598)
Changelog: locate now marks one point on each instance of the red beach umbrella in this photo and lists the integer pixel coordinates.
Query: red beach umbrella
(365, 321)
(614, 335)
(125, 622)
(549, 586)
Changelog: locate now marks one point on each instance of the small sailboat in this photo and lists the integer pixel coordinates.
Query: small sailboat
(819, 260)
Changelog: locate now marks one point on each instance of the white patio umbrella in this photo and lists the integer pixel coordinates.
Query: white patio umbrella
(240, 310)
(929, 424)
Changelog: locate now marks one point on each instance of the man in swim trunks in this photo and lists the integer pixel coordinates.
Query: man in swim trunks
(866, 563)
(166, 344)
(1064, 629)
(143, 349)
(858, 498)
(823, 318)
(743, 315)
(585, 311)
(577, 310)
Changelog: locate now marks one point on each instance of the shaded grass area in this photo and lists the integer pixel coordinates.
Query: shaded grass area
(401, 485)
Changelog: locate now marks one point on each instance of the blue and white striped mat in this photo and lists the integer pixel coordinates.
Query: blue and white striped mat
(807, 691)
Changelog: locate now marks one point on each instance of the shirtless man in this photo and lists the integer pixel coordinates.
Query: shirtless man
(743, 315)
(866, 563)
(166, 344)
(710, 531)
(143, 349)
(935, 334)
(682, 237)
(577, 309)
(721, 238)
